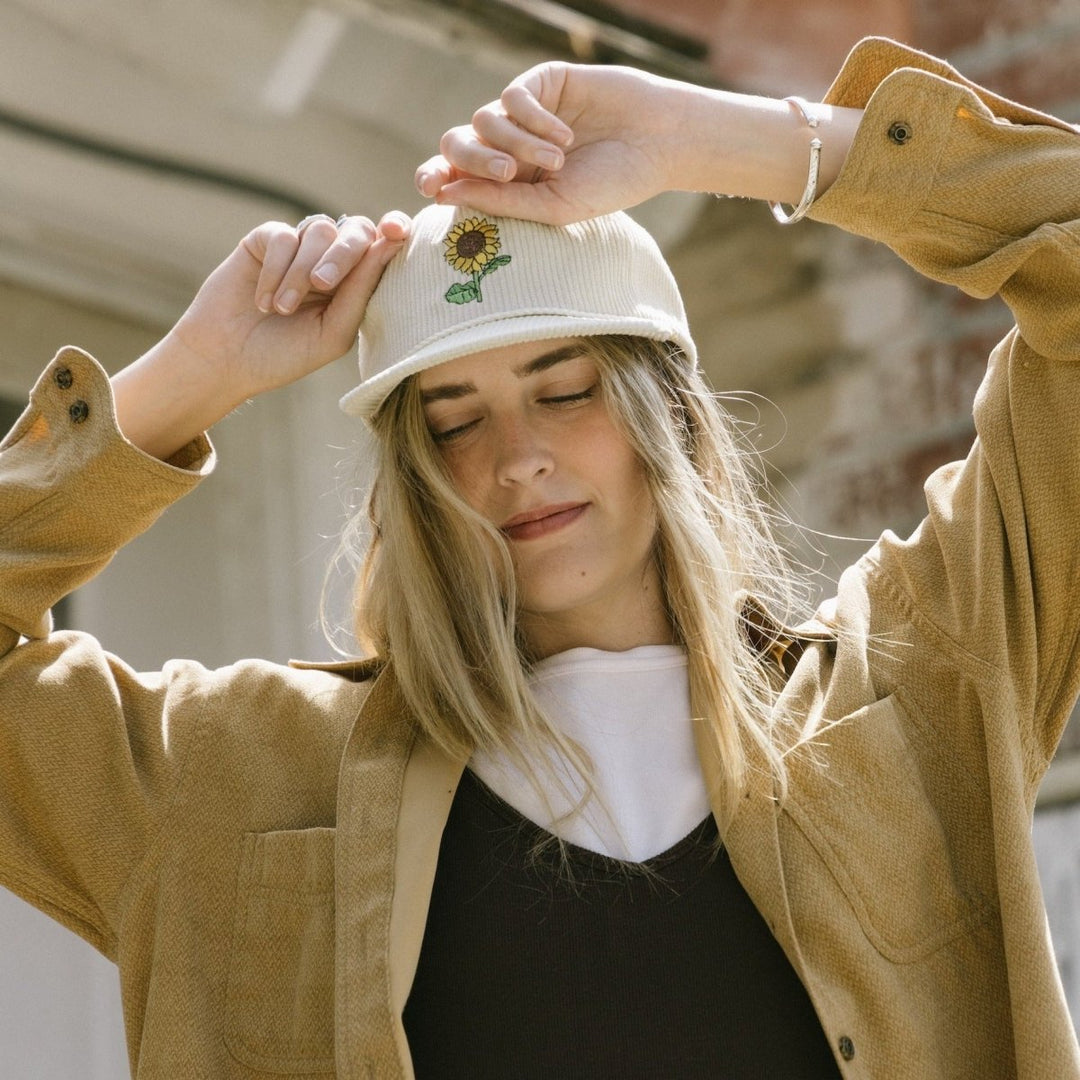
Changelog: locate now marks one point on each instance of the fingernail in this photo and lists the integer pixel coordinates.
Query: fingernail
(549, 159)
(563, 136)
(499, 168)
(266, 303)
(287, 301)
(327, 274)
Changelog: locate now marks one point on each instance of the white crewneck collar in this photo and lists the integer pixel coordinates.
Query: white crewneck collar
(630, 712)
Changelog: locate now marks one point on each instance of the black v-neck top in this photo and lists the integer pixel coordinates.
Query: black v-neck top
(534, 968)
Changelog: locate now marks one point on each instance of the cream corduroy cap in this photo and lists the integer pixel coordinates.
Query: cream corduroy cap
(466, 282)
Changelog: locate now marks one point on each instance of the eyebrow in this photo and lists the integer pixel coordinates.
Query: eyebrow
(453, 391)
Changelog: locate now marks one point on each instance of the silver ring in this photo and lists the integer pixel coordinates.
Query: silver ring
(341, 220)
(309, 219)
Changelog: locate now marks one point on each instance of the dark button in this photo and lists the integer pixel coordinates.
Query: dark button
(900, 132)
(78, 412)
(64, 378)
(846, 1048)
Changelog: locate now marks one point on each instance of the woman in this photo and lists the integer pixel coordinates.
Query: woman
(343, 871)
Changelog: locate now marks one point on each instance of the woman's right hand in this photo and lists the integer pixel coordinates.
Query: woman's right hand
(287, 301)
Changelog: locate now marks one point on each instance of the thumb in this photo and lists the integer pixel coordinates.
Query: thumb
(534, 202)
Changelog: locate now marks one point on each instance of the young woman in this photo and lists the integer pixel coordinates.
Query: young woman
(589, 810)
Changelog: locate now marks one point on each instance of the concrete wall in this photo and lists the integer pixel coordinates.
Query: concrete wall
(235, 569)
(862, 376)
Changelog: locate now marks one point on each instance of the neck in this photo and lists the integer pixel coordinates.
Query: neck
(548, 633)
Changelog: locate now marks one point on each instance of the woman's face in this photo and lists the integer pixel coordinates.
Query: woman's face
(527, 438)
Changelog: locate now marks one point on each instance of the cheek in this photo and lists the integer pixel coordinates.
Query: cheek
(465, 474)
(627, 472)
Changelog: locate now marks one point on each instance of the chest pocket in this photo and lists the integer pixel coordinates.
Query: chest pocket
(864, 804)
(280, 996)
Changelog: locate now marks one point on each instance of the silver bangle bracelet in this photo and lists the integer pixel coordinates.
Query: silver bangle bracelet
(810, 191)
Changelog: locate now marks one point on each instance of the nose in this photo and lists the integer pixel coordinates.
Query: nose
(521, 453)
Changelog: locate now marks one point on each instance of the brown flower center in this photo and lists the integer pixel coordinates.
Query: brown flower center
(470, 244)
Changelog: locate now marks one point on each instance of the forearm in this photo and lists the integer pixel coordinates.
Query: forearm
(168, 397)
(756, 147)
(566, 142)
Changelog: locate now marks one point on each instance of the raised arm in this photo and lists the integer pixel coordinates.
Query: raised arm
(566, 142)
(91, 753)
(287, 301)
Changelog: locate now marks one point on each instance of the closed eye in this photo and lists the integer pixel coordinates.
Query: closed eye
(556, 401)
(450, 434)
(569, 399)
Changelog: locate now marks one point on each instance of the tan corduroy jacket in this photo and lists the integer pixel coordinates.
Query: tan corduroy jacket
(255, 846)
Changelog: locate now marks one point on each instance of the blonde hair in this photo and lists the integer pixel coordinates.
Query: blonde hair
(436, 593)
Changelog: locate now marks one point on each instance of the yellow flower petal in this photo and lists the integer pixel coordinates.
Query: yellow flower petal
(472, 244)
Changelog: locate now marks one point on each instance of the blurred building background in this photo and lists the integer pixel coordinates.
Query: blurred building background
(140, 139)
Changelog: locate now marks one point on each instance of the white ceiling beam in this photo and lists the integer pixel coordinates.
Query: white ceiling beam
(303, 60)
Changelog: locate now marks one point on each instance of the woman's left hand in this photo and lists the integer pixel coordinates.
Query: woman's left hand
(564, 142)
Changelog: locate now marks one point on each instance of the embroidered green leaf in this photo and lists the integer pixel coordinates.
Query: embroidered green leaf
(463, 292)
(495, 263)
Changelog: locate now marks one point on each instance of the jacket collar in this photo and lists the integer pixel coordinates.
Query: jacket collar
(394, 794)
(370, 782)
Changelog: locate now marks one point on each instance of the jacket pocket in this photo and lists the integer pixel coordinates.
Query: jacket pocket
(863, 802)
(280, 996)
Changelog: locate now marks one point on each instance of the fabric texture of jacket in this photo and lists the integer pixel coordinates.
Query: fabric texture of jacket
(255, 846)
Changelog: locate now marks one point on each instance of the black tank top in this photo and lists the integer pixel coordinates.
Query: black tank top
(536, 967)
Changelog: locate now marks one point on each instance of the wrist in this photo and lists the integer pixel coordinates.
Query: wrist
(758, 147)
(168, 397)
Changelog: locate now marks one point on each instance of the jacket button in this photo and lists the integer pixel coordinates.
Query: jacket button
(900, 132)
(846, 1048)
(79, 411)
(64, 378)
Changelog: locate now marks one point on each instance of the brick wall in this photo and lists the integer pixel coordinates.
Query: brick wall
(1025, 49)
(873, 368)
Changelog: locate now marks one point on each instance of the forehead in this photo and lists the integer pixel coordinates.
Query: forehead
(507, 358)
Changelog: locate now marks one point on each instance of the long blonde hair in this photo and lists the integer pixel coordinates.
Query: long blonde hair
(435, 590)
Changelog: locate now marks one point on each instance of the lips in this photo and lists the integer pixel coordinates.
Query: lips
(542, 521)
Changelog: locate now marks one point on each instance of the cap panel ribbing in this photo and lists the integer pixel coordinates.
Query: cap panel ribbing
(604, 276)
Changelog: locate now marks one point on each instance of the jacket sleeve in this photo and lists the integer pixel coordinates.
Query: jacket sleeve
(983, 194)
(88, 759)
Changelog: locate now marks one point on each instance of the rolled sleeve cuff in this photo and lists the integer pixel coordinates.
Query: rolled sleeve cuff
(72, 408)
(911, 102)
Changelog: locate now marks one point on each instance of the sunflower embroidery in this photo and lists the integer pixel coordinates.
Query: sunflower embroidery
(472, 246)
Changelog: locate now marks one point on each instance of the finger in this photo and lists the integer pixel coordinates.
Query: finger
(343, 315)
(274, 246)
(535, 202)
(319, 234)
(521, 101)
(494, 132)
(468, 154)
(433, 175)
(395, 226)
(353, 236)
